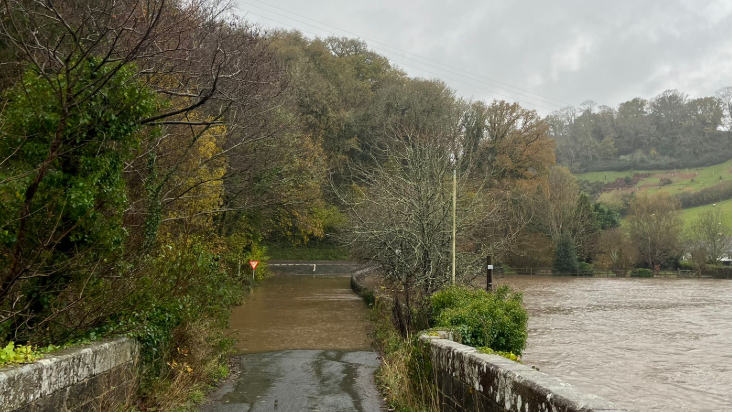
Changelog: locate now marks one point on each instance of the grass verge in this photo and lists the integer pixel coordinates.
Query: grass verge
(194, 368)
(405, 374)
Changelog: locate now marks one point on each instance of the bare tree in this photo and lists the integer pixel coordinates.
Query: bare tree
(401, 212)
(561, 209)
(724, 96)
(655, 228)
(710, 234)
(616, 252)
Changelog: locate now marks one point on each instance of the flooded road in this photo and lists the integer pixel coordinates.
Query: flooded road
(304, 345)
(302, 312)
(644, 344)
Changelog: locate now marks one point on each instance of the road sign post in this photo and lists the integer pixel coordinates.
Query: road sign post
(253, 264)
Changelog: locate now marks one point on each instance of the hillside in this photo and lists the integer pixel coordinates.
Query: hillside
(691, 214)
(681, 180)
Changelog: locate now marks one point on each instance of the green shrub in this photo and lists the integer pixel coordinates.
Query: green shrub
(719, 271)
(665, 181)
(12, 354)
(718, 151)
(565, 257)
(586, 269)
(453, 297)
(642, 273)
(495, 320)
(706, 196)
(369, 297)
(686, 265)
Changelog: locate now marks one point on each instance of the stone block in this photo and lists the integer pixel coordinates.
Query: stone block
(470, 381)
(71, 379)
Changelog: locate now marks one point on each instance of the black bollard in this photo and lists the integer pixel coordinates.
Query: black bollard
(489, 274)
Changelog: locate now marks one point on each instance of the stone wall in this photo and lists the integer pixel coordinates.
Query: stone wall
(96, 377)
(468, 380)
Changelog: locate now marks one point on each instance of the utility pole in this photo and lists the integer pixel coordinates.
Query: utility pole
(454, 213)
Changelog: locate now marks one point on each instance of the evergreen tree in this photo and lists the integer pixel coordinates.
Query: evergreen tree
(565, 257)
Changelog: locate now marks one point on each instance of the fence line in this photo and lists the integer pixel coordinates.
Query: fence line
(609, 273)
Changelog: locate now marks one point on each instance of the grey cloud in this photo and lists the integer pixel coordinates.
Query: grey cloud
(567, 50)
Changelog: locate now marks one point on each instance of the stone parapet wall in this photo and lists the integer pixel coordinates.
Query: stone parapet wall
(96, 377)
(468, 380)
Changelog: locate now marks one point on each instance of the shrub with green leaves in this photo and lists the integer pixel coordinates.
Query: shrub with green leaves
(65, 140)
(12, 354)
(495, 320)
(565, 257)
(642, 273)
(585, 269)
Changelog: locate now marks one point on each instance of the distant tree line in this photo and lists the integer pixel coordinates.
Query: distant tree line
(670, 130)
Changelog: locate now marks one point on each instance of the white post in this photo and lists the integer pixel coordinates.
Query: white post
(454, 213)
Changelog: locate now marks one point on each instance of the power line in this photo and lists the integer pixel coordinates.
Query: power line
(561, 103)
(407, 65)
(418, 68)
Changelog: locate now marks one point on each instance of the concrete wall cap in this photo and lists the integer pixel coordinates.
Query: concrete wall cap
(22, 384)
(467, 364)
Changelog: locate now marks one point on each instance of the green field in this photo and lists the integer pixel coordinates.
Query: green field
(686, 180)
(691, 214)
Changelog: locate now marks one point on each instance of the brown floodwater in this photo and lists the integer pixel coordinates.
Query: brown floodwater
(644, 344)
(302, 312)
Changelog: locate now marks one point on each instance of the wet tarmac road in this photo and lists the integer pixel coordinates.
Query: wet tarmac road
(301, 380)
(304, 345)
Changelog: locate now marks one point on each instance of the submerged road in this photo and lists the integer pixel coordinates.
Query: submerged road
(303, 345)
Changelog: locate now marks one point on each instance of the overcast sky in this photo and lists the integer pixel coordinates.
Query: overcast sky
(544, 54)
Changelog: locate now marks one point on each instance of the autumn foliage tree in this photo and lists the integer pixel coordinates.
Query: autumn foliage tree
(509, 142)
(616, 251)
(655, 226)
(125, 121)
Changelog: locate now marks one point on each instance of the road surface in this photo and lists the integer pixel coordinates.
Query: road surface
(303, 345)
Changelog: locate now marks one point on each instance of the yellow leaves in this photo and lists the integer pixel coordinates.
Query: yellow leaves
(12, 354)
(180, 367)
(197, 183)
(183, 367)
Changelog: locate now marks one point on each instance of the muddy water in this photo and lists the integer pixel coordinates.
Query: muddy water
(645, 344)
(302, 312)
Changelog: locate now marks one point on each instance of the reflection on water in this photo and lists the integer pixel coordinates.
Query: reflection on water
(302, 312)
(645, 344)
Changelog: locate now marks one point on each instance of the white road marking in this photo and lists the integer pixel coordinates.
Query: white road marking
(308, 264)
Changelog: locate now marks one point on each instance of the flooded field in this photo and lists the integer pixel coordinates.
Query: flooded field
(302, 312)
(645, 344)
